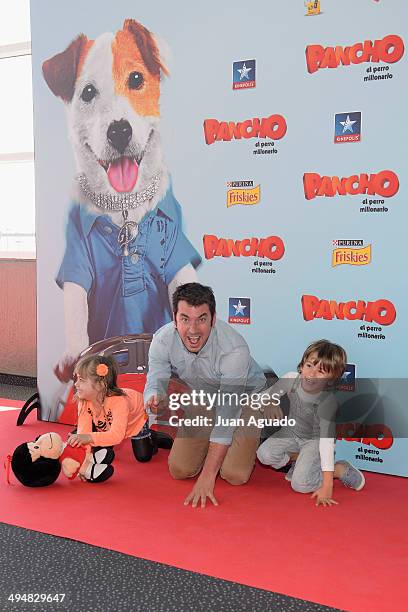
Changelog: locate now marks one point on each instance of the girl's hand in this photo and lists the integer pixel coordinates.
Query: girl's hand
(324, 497)
(79, 439)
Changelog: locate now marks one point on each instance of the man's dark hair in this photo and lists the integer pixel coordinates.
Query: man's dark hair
(195, 295)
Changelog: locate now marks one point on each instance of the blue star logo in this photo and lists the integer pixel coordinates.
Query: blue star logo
(239, 308)
(348, 124)
(243, 72)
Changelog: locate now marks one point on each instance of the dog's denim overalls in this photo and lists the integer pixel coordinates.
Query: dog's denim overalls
(126, 294)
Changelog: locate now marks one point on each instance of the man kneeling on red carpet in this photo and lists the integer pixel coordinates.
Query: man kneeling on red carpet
(214, 361)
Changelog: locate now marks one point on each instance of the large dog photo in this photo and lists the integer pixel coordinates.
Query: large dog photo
(125, 249)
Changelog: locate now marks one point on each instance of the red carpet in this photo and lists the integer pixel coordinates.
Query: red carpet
(353, 556)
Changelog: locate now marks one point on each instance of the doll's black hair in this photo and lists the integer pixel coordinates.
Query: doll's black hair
(39, 473)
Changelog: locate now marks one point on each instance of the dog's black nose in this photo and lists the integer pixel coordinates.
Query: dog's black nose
(119, 134)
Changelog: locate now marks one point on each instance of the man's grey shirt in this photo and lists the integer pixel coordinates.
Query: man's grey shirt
(223, 364)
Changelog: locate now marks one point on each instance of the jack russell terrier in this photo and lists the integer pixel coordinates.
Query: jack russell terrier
(125, 248)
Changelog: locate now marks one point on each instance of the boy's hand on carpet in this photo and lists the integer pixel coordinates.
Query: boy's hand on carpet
(203, 488)
(324, 497)
(79, 439)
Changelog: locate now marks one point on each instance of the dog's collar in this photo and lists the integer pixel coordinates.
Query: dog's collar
(127, 201)
(122, 203)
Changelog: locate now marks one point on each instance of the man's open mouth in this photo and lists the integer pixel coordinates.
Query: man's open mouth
(194, 340)
(122, 173)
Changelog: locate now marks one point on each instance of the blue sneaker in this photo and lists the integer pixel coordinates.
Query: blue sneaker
(352, 477)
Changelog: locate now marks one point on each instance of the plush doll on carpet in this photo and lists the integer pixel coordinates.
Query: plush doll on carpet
(39, 463)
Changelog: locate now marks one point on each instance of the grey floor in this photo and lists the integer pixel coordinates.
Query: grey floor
(19, 392)
(94, 578)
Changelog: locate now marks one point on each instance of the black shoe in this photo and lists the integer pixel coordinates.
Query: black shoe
(161, 439)
(143, 448)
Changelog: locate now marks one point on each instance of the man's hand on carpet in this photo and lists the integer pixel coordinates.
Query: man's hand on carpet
(79, 439)
(203, 488)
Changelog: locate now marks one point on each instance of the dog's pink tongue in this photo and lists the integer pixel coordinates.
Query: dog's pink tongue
(122, 174)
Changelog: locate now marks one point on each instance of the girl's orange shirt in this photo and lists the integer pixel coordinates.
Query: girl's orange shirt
(122, 416)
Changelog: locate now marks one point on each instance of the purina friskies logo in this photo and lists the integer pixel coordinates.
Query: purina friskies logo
(350, 252)
(243, 192)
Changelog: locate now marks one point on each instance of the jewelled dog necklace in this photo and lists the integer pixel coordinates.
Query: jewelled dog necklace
(123, 203)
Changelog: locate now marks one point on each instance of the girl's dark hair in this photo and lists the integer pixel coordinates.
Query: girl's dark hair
(39, 473)
(195, 295)
(87, 367)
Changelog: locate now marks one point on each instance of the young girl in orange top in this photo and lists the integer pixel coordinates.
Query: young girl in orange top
(108, 414)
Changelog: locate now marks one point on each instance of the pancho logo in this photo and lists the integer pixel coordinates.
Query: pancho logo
(389, 50)
(273, 127)
(271, 247)
(378, 435)
(381, 311)
(384, 183)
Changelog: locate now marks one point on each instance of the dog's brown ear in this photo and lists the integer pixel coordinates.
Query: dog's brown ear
(61, 71)
(147, 47)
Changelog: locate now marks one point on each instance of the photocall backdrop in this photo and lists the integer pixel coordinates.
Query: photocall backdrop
(284, 129)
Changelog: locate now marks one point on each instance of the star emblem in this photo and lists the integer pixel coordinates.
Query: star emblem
(239, 308)
(348, 124)
(244, 72)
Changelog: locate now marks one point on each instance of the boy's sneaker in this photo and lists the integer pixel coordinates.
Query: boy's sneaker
(352, 477)
(288, 475)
